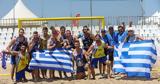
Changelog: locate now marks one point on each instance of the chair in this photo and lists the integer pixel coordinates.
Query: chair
(68, 28)
(33, 29)
(10, 30)
(5, 30)
(0, 30)
(27, 30)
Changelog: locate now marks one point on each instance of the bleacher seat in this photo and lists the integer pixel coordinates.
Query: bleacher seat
(10, 30)
(75, 29)
(115, 27)
(68, 28)
(33, 29)
(4, 29)
(0, 30)
(16, 30)
(27, 30)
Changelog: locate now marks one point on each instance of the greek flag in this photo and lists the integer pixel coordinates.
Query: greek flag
(135, 59)
(57, 59)
(3, 60)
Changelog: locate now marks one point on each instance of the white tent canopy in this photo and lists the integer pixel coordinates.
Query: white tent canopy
(157, 14)
(19, 11)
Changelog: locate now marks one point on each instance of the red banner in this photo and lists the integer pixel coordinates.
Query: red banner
(76, 22)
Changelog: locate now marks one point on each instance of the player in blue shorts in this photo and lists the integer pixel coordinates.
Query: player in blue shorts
(14, 45)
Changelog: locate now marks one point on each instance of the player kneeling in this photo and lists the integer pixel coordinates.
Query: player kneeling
(79, 57)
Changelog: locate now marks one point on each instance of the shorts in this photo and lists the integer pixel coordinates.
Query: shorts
(94, 61)
(13, 60)
(80, 69)
(21, 74)
(111, 56)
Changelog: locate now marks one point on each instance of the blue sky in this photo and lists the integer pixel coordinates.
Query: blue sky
(60, 8)
(72, 7)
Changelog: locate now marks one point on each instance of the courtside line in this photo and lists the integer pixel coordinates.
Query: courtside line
(9, 74)
(4, 74)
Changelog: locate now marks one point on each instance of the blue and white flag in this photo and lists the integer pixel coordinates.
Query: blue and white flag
(3, 60)
(57, 59)
(135, 59)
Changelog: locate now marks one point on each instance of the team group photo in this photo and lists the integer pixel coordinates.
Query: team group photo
(81, 41)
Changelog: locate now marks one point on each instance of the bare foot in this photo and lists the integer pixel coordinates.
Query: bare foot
(109, 77)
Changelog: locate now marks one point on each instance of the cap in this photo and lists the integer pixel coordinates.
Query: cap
(130, 29)
(103, 30)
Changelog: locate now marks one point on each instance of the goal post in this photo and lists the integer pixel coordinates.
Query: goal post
(100, 18)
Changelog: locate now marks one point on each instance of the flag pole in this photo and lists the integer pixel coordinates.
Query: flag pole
(91, 14)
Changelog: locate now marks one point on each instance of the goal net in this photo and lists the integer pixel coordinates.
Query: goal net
(75, 24)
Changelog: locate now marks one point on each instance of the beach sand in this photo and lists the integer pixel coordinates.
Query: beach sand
(5, 79)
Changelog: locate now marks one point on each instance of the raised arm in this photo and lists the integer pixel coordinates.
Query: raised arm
(30, 45)
(13, 53)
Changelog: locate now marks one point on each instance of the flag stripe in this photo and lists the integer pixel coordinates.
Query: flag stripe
(51, 62)
(57, 59)
(143, 48)
(135, 64)
(51, 68)
(141, 57)
(138, 74)
(50, 55)
(51, 65)
(137, 60)
(143, 45)
(147, 61)
(137, 69)
(4, 61)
